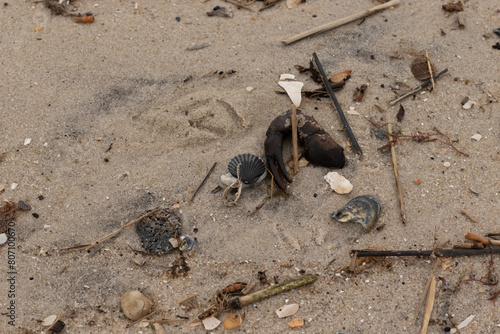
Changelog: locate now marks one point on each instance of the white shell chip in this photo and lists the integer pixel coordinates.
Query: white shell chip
(293, 89)
(477, 137)
(338, 183)
(211, 323)
(287, 310)
(49, 320)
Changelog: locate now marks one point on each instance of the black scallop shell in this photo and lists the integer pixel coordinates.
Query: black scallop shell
(252, 168)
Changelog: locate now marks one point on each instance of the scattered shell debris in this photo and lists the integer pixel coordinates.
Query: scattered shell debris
(211, 323)
(476, 137)
(338, 183)
(135, 305)
(287, 310)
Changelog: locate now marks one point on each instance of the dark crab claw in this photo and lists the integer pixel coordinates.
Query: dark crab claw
(322, 150)
(273, 147)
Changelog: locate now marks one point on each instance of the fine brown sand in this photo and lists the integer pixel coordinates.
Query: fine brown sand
(122, 119)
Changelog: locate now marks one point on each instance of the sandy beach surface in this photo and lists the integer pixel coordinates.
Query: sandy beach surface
(101, 122)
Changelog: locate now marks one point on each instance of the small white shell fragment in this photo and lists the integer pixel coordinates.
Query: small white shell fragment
(477, 137)
(27, 141)
(293, 89)
(352, 111)
(292, 3)
(469, 104)
(338, 183)
(13, 186)
(135, 305)
(249, 89)
(447, 164)
(49, 320)
(3, 238)
(287, 310)
(174, 242)
(228, 179)
(463, 323)
(211, 323)
(287, 76)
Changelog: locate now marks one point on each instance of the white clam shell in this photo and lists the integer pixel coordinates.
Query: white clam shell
(293, 89)
(338, 183)
(211, 323)
(135, 305)
(49, 320)
(287, 310)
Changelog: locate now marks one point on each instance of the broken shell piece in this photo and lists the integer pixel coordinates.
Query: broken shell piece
(469, 104)
(228, 179)
(477, 137)
(3, 238)
(174, 242)
(292, 3)
(249, 89)
(187, 243)
(287, 310)
(293, 89)
(49, 320)
(135, 305)
(287, 77)
(232, 321)
(364, 210)
(342, 76)
(248, 167)
(27, 141)
(297, 322)
(338, 183)
(211, 323)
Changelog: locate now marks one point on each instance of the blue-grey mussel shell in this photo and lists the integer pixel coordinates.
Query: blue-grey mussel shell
(252, 169)
(364, 210)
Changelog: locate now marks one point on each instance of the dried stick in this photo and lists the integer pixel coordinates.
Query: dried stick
(112, 234)
(451, 142)
(329, 89)
(468, 215)
(427, 285)
(445, 252)
(141, 319)
(483, 240)
(204, 180)
(340, 22)
(257, 296)
(430, 70)
(418, 88)
(396, 173)
(295, 144)
(429, 305)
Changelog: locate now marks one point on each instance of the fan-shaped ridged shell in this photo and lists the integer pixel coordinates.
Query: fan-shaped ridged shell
(251, 168)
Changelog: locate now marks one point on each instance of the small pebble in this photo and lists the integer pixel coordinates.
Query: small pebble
(13, 186)
(447, 164)
(249, 89)
(3, 238)
(477, 137)
(27, 141)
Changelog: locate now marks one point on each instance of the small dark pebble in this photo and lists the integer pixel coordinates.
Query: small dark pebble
(23, 206)
(41, 198)
(57, 327)
(178, 19)
(496, 46)
(5, 4)
(372, 57)
(106, 159)
(315, 195)
(497, 31)
(36, 215)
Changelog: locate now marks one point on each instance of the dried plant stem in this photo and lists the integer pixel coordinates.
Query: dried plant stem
(430, 70)
(109, 236)
(396, 174)
(468, 215)
(451, 142)
(483, 240)
(340, 22)
(445, 252)
(295, 143)
(431, 293)
(141, 319)
(454, 323)
(257, 296)
(204, 180)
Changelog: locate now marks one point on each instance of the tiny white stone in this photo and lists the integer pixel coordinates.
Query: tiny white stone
(477, 137)
(249, 89)
(469, 104)
(27, 141)
(287, 76)
(3, 238)
(447, 164)
(46, 226)
(13, 186)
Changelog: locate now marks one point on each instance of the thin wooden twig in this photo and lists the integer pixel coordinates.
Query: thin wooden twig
(451, 142)
(329, 89)
(468, 215)
(454, 323)
(431, 293)
(396, 174)
(112, 234)
(340, 22)
(295, 143)
(483, 240)
(204, 180)
(430, 70)
(445, 252)
(418, 88)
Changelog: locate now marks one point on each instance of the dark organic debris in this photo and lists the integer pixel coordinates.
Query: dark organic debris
(401, 113)
(497, 31)
(380, 134)
(496, 46)
(156, 230)
(220, 11)
(261, 275)
(454, 6)
(420, 68)
(359, 93)
(179, 268)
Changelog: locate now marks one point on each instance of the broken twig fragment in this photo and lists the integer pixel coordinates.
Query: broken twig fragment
(340, 22)
(204, 180)
(445, 252)
(483, 240)
(431, 293)
(347, 128)
(418, 88)
(396, 173)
